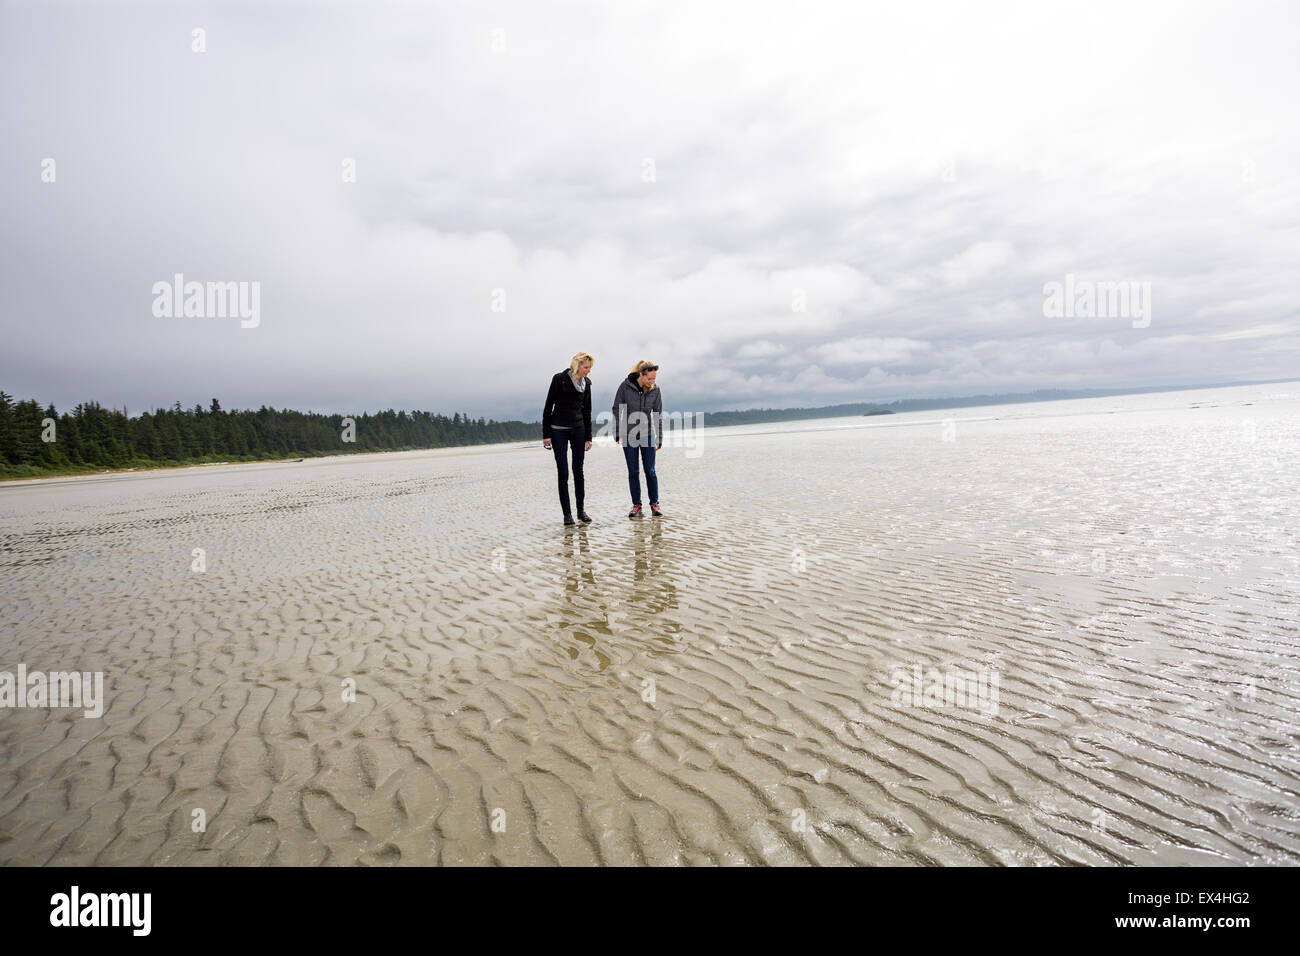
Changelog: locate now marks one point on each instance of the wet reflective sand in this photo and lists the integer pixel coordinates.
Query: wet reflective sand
(732, 683)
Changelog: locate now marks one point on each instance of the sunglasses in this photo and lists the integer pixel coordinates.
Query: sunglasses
(650, 368)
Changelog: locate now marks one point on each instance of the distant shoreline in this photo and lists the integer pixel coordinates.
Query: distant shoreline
(708, 420)
(755, 416)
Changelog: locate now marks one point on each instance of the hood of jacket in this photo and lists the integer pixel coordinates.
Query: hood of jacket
(632, 380)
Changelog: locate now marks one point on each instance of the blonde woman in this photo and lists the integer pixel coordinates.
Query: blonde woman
(638, 427)
(566, 423)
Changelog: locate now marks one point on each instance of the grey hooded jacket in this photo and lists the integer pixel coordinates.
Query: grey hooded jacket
(638, 415)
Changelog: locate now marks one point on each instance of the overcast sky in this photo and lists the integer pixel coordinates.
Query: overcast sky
(913, 174)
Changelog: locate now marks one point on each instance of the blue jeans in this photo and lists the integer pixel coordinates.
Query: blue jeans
(647, 455)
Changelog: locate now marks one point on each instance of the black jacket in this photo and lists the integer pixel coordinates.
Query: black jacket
(566, 406)
(648, 407)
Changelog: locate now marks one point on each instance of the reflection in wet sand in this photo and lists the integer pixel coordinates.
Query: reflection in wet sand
(717, 686)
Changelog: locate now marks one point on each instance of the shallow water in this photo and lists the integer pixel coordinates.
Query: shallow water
(1118, 577)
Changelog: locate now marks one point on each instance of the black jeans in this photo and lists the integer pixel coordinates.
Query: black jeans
(561, 439)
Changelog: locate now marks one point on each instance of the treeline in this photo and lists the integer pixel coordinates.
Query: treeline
(36, 440)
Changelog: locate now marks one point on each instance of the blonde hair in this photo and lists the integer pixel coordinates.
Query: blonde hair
(636, 370)
(580, 359)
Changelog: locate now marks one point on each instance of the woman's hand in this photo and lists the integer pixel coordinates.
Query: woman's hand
(588, 448)
(546, 443)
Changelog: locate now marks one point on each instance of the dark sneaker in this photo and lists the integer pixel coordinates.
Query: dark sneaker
(654, 510)
(584, 517)
(568, 519)
(635, 512)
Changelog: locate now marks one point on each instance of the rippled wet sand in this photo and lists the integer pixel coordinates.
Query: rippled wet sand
(716, 686)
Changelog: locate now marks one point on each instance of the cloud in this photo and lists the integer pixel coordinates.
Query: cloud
(976, 261)
(869, 351)
(780, 205)
(760, 349)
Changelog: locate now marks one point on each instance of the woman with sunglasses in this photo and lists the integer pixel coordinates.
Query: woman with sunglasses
(638, 427)
(566, 422)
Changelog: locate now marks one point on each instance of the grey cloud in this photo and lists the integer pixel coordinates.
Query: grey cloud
(917, 197)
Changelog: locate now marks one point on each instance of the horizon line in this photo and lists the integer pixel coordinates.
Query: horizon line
(1066, 395)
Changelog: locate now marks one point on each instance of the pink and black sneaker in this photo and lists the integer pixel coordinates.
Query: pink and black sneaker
(635, 512)
(654, 510)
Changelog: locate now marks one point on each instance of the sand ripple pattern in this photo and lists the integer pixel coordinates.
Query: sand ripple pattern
(714, 687)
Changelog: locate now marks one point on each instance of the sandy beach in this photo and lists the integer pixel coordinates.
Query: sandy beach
(744, 681)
